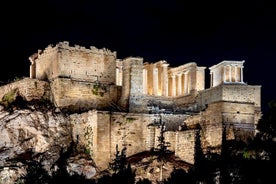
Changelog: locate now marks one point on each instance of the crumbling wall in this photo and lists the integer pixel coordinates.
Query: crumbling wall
(132, 88)
(63, 60)
(184, 148)
(29, 89)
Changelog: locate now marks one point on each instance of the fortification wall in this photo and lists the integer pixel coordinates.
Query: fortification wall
(98, 132)
(185, 145)
(186, 103)
(238, 119)
(46, 64)
(132, 88)
(29, 89)
(230, 92)
(78, 95)
(242, 93)
(76, 62)
(234, 112)
(151, 104)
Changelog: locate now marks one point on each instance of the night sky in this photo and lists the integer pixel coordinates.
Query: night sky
(178, 31)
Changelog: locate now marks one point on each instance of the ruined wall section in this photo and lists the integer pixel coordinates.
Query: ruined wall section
(130, 131)
(29, 89)
(92, 137)
(88, 64)
(185, 145)
(132, 88)
(186, 103)
(208, 96)
(243, 93)
(236, 93)
(237, 118)
(99, 132)
(230, 92)
(76, 62)
(84, 128)
(45, 63)
(83, 95)
(211, 124)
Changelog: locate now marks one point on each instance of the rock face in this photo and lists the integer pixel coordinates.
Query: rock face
(43, 135)
(32, 134)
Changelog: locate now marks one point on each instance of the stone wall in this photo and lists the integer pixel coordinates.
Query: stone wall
(45, 64)
(78, 95)
(98, 132)
(76, 62)
(29, 89)
(184, 147)
(236, 117)
(132, 88)
(242, 93)
(230, 92)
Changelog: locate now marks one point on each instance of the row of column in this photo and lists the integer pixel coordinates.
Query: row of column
(229, 73)
(157, 79)
(181, 87)
(157, 82)
(237, 76)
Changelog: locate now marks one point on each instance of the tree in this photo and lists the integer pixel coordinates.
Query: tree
(267, 124)
(200, 167)
(162, 148)
(36, 174)
(122, 170)
(119, 163)
(179, 176)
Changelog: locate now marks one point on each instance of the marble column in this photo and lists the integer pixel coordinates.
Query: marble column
(236, 74)
(230, 73)
(145, 81)
(165, 79)
(211, 79)
(224, 74)
(173, 86)
(179, 86)
(242, 74)
(155, 81)
(186, 83)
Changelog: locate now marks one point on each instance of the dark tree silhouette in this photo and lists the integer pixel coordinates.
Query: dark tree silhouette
(62, 175)
(179, 176)
(162, 150)
(36, 174)
(119, 163)
(122, 170)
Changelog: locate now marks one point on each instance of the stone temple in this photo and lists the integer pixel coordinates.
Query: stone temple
(124, 99)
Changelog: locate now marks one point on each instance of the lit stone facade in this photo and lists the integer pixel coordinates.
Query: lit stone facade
(226, 72)
(119, 99)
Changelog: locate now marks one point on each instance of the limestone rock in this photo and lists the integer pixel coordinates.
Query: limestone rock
(32, 131)
(81, 166)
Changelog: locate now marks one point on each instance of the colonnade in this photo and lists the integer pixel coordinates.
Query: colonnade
(226, 72)
(180, 84)
(159, 80)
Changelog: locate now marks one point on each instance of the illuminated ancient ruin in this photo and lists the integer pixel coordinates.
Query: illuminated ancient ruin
(121, 98)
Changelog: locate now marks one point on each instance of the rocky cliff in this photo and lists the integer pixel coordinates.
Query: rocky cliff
(40, 133)
(37, 132)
